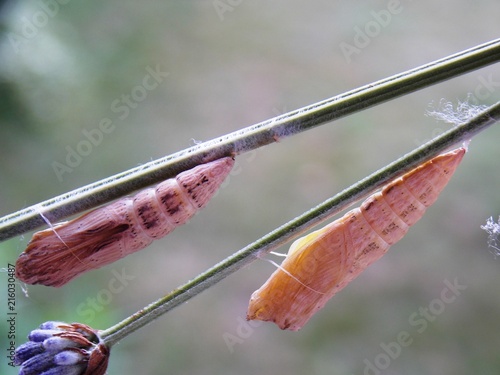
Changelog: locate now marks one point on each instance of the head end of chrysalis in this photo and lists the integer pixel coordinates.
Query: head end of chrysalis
(255, 310)
(260, 309)
(266, 303)
(265, 311)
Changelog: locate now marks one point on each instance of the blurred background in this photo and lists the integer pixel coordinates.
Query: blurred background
(65, 67)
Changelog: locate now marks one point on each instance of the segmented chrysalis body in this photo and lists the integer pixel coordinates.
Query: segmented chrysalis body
(325, 261)
(55, 256)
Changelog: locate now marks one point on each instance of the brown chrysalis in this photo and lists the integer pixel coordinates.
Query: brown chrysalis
(56, 255)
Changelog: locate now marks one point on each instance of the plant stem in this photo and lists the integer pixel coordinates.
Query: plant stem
(249, 138)
(299, 225)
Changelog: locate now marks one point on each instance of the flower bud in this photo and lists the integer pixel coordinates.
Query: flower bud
(57, 348)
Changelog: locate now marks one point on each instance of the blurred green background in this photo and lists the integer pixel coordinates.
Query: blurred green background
(232, 64)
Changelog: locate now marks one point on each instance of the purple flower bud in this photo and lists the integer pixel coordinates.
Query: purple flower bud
(69, 357)
(56, 344)
(39, 335)
(28, 350)
(57, 348)
(52, 325)
(37, 364)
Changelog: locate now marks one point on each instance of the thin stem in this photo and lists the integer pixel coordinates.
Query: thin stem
(249, 138)
(295, 227)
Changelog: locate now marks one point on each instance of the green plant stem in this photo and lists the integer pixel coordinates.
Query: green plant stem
(249, 138)
(299, 225)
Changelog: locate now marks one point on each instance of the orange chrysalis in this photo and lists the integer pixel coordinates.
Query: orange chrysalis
(322, 263)
(56, 255)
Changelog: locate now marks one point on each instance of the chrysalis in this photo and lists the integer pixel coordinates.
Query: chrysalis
(55, 256)
(325, 261)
